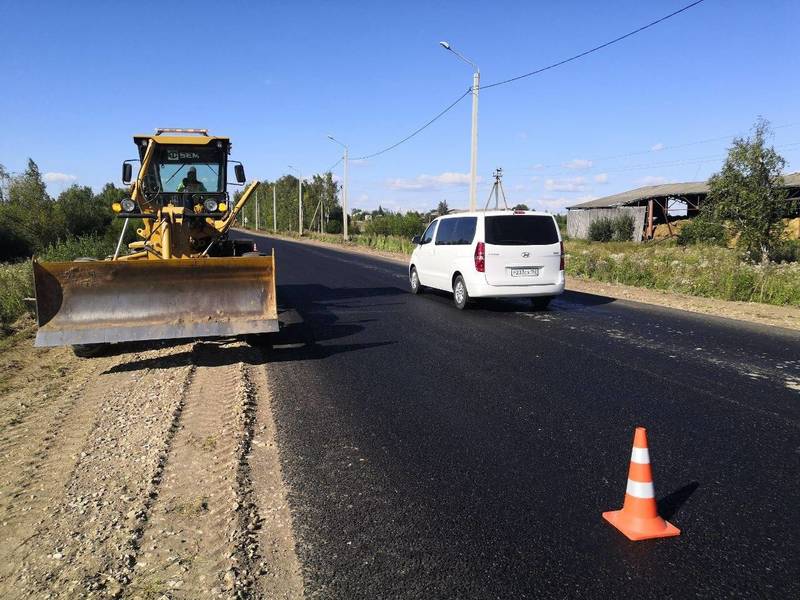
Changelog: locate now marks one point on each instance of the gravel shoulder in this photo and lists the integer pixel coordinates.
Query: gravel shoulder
(765, 314)
(150, 472)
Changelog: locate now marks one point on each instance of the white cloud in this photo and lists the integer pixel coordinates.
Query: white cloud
(601, 178)
(431, 182)
(54, 177)
(653, 180)
(535, 178)
(538, 166)
(578, 164)
(570, 184)
(657, 147)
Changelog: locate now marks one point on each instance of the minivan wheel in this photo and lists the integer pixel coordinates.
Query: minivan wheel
(413, 280)
(460, 293)
(541, 302)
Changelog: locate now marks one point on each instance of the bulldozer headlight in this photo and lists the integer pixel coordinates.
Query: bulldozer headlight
(128, 205)
(211, 205)
(222, 207)
(116, 207)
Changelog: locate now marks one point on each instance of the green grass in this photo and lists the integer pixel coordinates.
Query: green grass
(16, 279)
(708, 271)
(16, 284)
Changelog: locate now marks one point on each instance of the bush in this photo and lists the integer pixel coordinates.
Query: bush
(16, 284)
(703, 231)
(623, 228)
(786, 251)
(92, 246)
(601, 230)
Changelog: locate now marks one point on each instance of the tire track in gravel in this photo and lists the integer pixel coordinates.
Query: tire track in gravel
(187, 546)
(85, 542)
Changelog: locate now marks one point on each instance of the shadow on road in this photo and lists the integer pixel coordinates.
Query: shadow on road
(669, 504)
(567, 302)
(307, 319)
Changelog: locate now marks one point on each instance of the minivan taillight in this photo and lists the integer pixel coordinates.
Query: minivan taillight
(480, 257)
(561, 264)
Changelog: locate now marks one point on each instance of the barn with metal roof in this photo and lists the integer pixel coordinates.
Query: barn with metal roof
(651, 206)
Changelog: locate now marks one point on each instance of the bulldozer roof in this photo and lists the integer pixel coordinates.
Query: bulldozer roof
(198, 137)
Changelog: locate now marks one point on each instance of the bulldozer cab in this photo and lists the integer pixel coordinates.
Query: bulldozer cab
(181, 166)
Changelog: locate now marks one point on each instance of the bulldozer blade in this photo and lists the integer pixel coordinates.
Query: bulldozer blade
(119, 301)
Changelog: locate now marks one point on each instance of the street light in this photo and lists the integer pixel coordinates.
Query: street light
(476, 84)
(300, 198)
(344, 194)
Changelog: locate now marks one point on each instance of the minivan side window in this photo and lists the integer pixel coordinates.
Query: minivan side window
(521, 230)
(428, 235)
(456, 231)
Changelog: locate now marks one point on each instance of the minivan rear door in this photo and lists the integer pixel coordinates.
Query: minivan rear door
(522, 249)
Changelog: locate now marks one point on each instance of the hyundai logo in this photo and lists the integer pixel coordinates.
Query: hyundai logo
(526, 254)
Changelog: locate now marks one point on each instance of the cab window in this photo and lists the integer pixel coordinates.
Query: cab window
(427, 237)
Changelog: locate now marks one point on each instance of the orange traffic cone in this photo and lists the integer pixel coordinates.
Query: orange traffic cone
(639, 519)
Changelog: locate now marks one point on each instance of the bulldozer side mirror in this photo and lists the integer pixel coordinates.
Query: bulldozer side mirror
(239, 170)
(127, 172)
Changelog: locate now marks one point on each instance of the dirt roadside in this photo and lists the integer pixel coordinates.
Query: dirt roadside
(752, 312)
(151, 472)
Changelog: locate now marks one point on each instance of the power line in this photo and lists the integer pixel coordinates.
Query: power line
(333, 166)
(536, 72)
(595, 49)
(420, 130)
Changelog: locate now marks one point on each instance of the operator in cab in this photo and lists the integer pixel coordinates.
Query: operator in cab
(190, 183)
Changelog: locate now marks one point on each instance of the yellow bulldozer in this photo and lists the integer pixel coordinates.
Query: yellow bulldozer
(184, 277)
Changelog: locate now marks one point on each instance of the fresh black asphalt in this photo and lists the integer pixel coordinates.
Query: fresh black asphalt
(432, 453)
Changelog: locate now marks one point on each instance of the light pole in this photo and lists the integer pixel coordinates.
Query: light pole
(300, 198)
(344, 192)
(473, 161)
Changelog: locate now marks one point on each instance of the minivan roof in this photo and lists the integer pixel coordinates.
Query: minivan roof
(494, 213)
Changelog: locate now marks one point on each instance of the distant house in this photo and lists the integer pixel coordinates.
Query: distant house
(650, 206)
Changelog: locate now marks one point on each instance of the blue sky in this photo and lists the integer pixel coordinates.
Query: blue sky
(80, 78)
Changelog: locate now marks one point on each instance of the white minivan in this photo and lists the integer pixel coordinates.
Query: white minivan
(490, 254)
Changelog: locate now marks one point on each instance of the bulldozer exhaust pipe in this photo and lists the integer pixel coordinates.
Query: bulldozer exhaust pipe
(119, 301)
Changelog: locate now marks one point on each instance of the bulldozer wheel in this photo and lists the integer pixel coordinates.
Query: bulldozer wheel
(88, 350)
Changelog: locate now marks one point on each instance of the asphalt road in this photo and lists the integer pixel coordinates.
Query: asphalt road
(432, 453)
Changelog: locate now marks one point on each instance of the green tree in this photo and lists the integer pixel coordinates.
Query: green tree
(442, 209)
(749, 192)
(82, 212)
(29, 212)
(521, 207)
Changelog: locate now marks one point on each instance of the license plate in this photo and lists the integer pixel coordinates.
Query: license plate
(526, 272)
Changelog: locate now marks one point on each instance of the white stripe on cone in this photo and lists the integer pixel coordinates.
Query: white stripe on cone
(640, 456)
(640, 489)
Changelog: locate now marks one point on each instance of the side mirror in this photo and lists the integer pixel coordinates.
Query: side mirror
(127, 173)
(415, 240)
(239, 170)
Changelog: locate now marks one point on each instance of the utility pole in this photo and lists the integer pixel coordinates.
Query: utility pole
(300, 200)
(257, 191)
(473, 159)
(274, 207)
(344, 191)
(344, 207)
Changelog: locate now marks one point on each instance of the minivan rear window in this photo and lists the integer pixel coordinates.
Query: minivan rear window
(521, 230)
